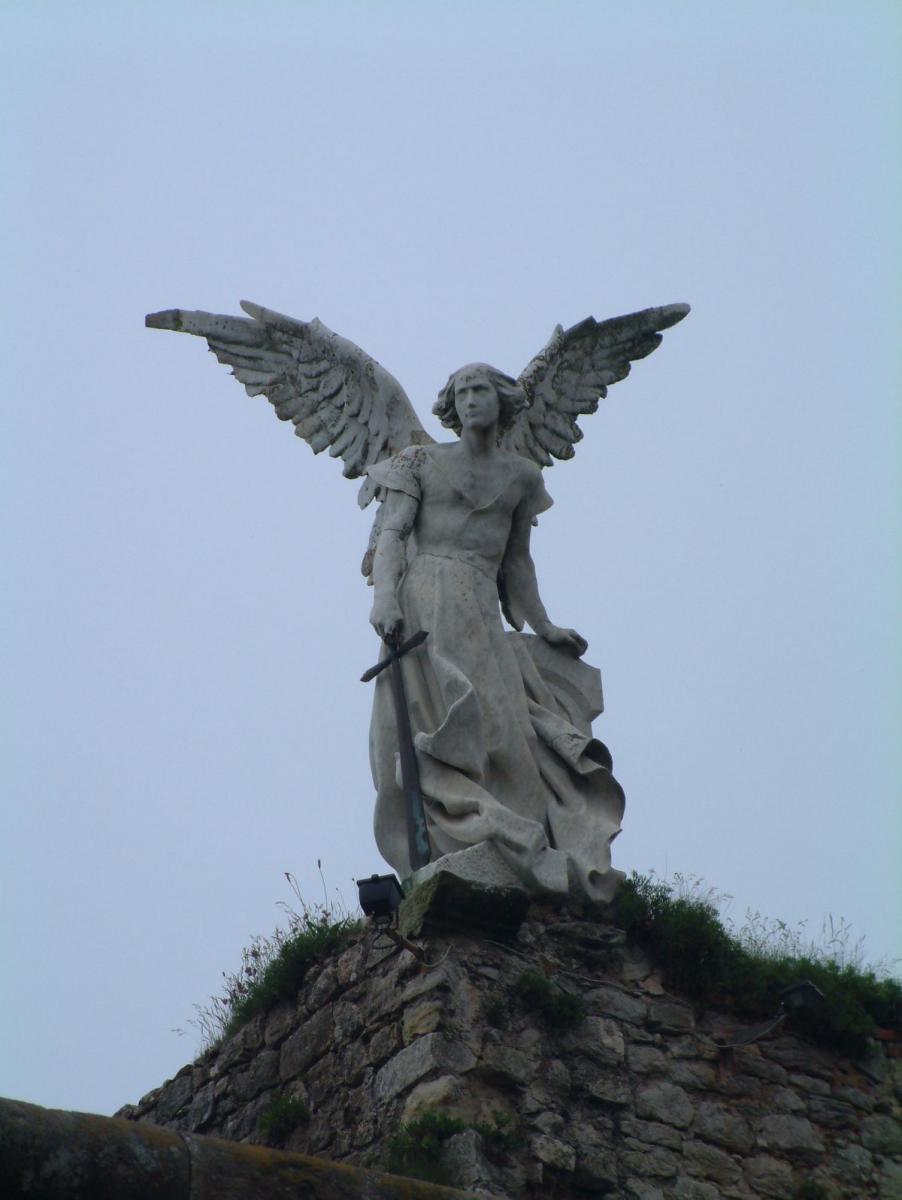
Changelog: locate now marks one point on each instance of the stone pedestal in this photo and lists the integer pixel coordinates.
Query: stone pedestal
(556, 1060)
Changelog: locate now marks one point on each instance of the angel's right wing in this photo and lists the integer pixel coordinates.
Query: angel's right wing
(335, 394)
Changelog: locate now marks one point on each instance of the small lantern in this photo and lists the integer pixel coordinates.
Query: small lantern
(800, 996)
(380, 896)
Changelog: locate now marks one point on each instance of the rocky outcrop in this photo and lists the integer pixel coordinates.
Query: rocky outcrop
(567, 1070)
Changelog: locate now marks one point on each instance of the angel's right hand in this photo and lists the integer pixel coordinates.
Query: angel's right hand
(387, 618)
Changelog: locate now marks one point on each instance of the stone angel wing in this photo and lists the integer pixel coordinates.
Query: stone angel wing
(573, 372)
(336, 395)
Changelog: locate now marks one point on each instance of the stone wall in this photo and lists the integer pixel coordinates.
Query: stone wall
(634, 1098)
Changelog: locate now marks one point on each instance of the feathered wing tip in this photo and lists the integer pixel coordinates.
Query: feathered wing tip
(568, 377)
(335, 395)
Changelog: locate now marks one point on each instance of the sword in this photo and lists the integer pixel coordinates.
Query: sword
(417, 837)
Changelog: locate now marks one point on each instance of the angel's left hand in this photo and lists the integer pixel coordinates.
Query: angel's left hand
(568, 639)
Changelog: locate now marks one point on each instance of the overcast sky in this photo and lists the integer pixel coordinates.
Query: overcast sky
(185, 622)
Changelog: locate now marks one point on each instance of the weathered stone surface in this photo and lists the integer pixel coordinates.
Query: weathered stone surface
(433, 1052)
(176, 1097)
(611, 1002)
(833, 1114)
(607, 1088)
(769, 1177)
(596, 1170)
(424, 1017)
(307, 1045)
(798, 1056)
(852, 1165)
(652, 1132)
(598, 1038)
(670, 1016)
(882, 1134)
(710, 1162)
(890, 1181)
(693, 1189)
(263, 1072)
(279, 1023)
(509, 1067)
(795, 1136)
(646, 1060)
(692, 1074)
(665, 1102)
(642, 1159)
(552, 1152)
(717, 1124)
(447, 901)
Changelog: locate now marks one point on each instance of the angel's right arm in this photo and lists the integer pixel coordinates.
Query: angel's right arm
(398, 517)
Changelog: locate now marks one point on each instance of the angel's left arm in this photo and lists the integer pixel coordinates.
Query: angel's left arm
(522, 587)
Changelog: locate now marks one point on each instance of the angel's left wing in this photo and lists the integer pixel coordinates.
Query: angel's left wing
(336, 395)
(574, 371)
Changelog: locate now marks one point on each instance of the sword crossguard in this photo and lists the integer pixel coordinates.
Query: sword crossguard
(396, 653)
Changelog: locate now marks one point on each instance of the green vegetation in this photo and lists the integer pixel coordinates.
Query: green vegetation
(812, 1190)
(682, 931)
(273, 968)
(281, 1118)
(559, 1010)
(416, 1149)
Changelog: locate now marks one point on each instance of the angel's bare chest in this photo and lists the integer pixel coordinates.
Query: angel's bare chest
(479, 485)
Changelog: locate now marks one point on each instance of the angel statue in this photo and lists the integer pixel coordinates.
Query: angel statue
(499, 721)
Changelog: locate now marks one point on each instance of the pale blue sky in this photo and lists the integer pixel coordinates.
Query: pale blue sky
(186, 624)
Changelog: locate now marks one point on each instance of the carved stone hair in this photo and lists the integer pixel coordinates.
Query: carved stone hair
(512, 398)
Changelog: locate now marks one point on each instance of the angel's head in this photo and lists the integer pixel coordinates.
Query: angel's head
(487, 392)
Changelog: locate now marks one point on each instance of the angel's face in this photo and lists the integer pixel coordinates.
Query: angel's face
(475, 400)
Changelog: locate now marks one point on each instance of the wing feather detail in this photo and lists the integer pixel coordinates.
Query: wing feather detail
(573, 372)
(337, 397)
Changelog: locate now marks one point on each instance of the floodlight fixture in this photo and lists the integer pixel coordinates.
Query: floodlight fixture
(380, 896)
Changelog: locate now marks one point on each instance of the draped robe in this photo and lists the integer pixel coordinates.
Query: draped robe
(500, 759)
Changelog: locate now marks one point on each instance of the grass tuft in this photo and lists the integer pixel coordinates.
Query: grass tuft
(273, 968)
(681, 928)
(560, 1010)
(281, 1118)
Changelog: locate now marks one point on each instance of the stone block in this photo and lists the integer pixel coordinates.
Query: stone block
(833, 1114)
(798, 1056)
(693, 1189)
(464, 1157)
(692, 1074)
(446, 900)
(552, 1152)
(646, 1060)
(432, 1093)
(309, 1043)
(889, 1183)
(642, 1159)
(710, 1162)
(174, 1097)
(420, 1018)
(769, 1177)
(607, 1088)
(652, 1132)
(598, 1038)
(502, 1064)
(794, 1136)
(718, 1124)
(278, 1024)
(596, 1171)
(665, 1102)
(611, 1002)
(433, 1052)
(852, 1164)
(670, 1016)
(882, 1134)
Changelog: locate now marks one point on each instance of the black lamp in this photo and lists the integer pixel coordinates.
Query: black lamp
(799, 996)
(380, 896)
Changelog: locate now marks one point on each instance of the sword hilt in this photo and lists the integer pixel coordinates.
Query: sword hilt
(396, 653)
